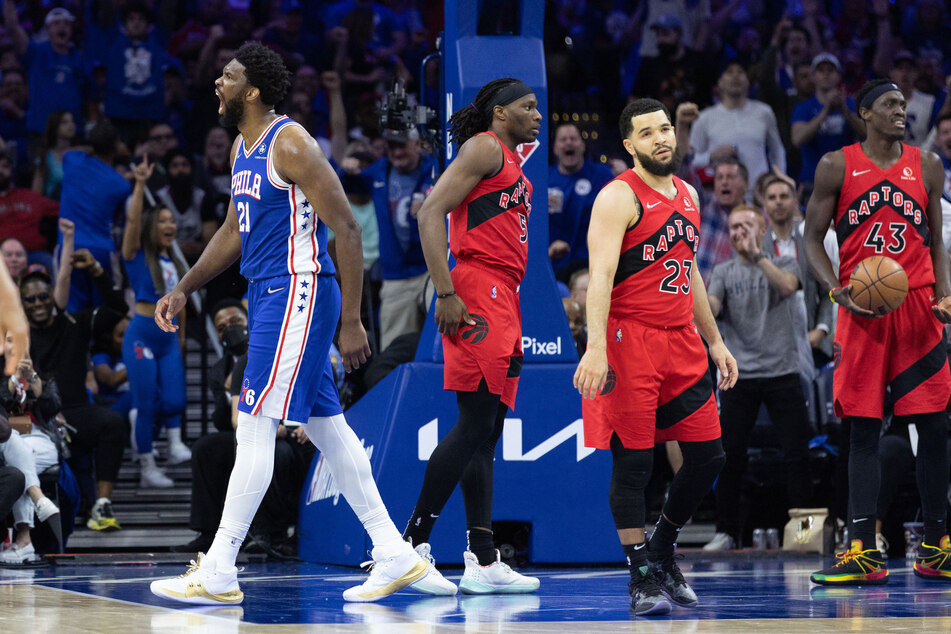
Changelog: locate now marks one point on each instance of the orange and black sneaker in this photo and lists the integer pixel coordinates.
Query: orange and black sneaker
(856, 567)
(934, 562)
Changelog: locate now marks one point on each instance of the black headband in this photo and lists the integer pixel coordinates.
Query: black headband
(510, 93)
(875, 93)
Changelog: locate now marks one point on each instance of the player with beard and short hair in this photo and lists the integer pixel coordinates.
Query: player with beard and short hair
(884, 197)
(285, 195)
(644, 378)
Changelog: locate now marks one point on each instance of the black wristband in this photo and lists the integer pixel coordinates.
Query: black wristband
(445, 295)
(759, 256)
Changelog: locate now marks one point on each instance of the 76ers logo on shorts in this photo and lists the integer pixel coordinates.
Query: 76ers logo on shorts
(477, 332)
(247, 394)
(609, 382)
(142, 351)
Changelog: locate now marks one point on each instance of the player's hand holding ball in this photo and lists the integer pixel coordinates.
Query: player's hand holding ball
(878, 285)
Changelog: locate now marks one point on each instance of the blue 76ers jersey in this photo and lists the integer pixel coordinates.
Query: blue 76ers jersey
(280, 231)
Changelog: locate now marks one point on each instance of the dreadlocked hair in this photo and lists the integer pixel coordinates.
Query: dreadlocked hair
(265, 71)
(476, 117)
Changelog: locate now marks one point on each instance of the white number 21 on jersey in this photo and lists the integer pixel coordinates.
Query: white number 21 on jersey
(244, 217)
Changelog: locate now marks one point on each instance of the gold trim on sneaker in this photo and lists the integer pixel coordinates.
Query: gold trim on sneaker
(197, 590)
(412, 575)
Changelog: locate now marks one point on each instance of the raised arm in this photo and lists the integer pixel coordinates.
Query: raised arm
(11, 23)
(221, 252)
(478, 157)
(61, 288)
(132, 236)
(298, 159)
(615, 209)
(13, 321)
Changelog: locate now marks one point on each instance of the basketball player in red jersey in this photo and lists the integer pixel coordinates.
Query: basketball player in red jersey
(885, 199)
(645, 377)
(488, 200)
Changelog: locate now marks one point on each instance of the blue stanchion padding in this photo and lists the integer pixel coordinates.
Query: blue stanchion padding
(544, 476)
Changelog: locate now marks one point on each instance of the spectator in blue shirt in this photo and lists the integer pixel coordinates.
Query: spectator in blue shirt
(398, 183)
(56, 79)
(573, 184)
(135, 63)
(92, 192)
(825, 122)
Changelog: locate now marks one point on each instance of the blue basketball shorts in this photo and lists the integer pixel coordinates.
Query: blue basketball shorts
(292, 319)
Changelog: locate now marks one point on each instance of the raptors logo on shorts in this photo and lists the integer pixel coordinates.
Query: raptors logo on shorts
(477, 332)
(611, 380)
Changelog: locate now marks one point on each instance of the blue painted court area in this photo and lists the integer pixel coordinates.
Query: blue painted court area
(759, 592)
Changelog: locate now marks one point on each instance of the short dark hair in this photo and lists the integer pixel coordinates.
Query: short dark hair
(265, 71)
(103, 138)
(227, 302)
(775, 179)
(868, 87)
(174, 153)
(729, 160)
(944, 116)
(635, 109)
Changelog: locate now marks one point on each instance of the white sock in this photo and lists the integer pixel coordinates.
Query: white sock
(147, 461)
(174, 435)
(250, 478)
(350, 467)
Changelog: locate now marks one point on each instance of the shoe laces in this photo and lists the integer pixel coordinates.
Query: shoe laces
(643, 582)
(669, 565)
(845, 557)
(192, 567)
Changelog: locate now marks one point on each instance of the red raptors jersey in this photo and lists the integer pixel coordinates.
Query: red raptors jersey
(652, 282)
(491, 224)
(882, 212)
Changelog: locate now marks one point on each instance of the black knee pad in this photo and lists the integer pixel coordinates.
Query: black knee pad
(703, 460)
(629, 477)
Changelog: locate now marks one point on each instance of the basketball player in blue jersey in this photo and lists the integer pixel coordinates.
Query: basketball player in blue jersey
(283, 192)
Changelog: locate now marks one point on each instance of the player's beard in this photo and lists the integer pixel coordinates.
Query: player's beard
(234, 112)
(656, 167)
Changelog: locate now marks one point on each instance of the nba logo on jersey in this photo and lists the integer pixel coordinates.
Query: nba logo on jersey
(262, 148)
(495, 292)
(618, 335)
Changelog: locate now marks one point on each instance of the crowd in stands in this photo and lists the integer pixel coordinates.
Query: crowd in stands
(114, 175)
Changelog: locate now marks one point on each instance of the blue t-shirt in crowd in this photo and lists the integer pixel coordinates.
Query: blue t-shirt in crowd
(401, 254)
(140, 277)
(570, 222)
(135, 78)
(91, 193)
(56, 82)
(834, 134)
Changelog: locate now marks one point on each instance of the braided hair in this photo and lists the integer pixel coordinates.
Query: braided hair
(477, 116)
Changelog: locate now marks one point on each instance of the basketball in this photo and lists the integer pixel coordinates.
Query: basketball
(879, 284)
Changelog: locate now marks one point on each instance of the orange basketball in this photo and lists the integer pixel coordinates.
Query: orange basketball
(879, 284)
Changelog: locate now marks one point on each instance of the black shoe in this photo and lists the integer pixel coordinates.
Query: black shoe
(647, 599)
(671, 580)
(200, 544)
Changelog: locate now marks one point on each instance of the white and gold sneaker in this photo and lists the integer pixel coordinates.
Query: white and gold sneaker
(201, 584)
(496, 578)
(388, 574)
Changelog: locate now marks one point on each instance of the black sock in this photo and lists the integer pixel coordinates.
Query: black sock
(864, 529)
(482, 545)
(419, 527)
(636, 556)
(664, 537)
(934, 531)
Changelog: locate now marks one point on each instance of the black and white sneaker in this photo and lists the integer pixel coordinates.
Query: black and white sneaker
(647, 599)
(671, 580)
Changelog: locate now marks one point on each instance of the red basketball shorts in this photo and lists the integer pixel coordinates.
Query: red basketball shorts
(903, 350)
(491, 349)
(659, 388)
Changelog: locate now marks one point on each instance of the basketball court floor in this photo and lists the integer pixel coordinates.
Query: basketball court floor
(741, 593)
